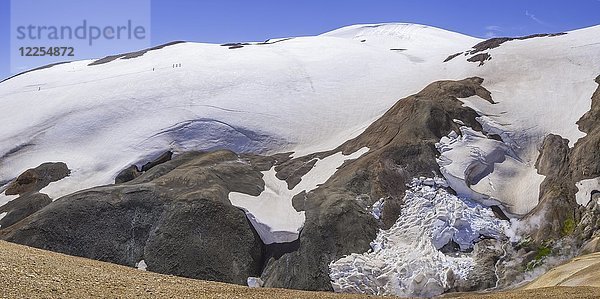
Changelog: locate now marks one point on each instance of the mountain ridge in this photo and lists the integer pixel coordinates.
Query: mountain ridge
(302, 150)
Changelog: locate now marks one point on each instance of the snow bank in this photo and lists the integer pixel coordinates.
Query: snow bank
(272, 214)
(405, 260)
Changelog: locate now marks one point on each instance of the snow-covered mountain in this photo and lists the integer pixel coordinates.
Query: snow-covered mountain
(320, 132)
(275, 97)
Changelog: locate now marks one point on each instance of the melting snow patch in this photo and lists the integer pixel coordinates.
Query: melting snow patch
(141, 265)
(586, 187)
(405, 260)
(458, 121)
(2, 216)
(272, 214)
(255, 282)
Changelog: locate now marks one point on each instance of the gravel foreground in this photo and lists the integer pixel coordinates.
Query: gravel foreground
(32, 273)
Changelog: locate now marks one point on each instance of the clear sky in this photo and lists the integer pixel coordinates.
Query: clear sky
(219, 21)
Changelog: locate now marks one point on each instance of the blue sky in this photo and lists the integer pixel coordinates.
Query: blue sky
(221, 21)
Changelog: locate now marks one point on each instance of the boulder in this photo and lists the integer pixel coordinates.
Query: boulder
(35, 179)
(21, 207)
(176, 217)
(127, 174)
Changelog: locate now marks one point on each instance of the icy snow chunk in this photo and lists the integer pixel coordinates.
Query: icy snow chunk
(435, 182)
(272, 213)
(585, 187)
(458, 121)
(405, 260)
(377, 208)
(255, 282)
(141, 265)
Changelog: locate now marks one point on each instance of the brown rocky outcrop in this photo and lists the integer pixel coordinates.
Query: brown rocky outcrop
(35, 179)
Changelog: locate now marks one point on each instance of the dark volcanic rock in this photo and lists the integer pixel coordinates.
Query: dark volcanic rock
(264, 163)
(482, 275)
(130, 55)
(293, 170)
(453, 56)
(160, 160)
(499, 213)
(299, 201)
(234, 44)
(177, 217)
(107, 223)
(557, 191)
(554, 155)
(585, 157)
(492, 43)
(34, 179)
(36, 69)
(22, 207)
(497, 41)
(450, 247)
(481, 58)
(128, 174)
(216, 243)
(402, 146)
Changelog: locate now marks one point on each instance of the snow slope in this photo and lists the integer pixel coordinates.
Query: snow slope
(418, 43)
(304, 94)
(541, 86)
